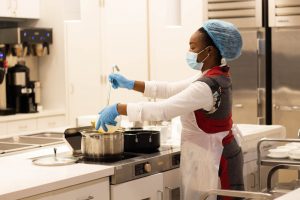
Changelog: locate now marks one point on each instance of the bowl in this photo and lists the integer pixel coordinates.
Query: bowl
(290, 147)
(279, 152)
(295, 153)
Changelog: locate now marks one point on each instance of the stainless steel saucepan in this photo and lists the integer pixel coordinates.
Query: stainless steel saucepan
(97, 146)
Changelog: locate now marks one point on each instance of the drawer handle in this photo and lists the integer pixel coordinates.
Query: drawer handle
(89, 198)
(23, 127)
(51, 124)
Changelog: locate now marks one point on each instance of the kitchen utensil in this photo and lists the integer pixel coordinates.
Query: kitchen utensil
(94, 145)
(294, 154)
(54, 160)
(140, 140)
(109, 86)
(278, 153)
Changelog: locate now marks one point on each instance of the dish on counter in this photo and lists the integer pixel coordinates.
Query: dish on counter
(279, 153)
(294, 157)
(270, 155)
(295, 154)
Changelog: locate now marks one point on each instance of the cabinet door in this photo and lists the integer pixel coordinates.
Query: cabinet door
(3, 129)
(21, 126)
(124, 43)
(147, 188)
(96, 190)
(5, 8)
(168, 43)
(27, 9)
(172, 184)
(50, 122)
(85, 91)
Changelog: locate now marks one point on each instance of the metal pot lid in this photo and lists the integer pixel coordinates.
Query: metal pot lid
(54, 161)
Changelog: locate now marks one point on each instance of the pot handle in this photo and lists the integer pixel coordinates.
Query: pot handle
(73, 137)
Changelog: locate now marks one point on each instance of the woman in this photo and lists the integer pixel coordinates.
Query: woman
(208, 147)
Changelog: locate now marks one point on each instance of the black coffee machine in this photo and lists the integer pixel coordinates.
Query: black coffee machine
(3, 68)
(2, 63)
(20, 90)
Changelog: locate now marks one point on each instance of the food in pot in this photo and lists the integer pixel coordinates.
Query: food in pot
(111, 128)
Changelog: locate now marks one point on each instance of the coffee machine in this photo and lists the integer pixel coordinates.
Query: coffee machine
(4, 110)
(2, 63)
(25, 41)
(22, 94)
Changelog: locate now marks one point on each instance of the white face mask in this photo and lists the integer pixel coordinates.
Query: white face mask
(191, 59)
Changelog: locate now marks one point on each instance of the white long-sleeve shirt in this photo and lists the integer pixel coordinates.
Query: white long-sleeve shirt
(180, 98)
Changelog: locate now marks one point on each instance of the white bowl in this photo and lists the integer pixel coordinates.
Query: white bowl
(295, 144)
(279, 152)
(289, 147)
(295, 153)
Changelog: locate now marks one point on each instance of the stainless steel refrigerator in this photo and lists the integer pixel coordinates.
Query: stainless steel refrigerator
(284, 20)
(249, 70)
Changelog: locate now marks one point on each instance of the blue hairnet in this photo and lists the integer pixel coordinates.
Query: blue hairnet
(226, 37)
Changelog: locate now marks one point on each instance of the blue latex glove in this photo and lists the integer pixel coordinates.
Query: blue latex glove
(119, 81)
(107, 117)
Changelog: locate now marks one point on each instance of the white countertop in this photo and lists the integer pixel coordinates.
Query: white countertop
(293, 195)
(20, 178)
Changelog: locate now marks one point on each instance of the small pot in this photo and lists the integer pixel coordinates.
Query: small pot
(141, 141)
(96, 146)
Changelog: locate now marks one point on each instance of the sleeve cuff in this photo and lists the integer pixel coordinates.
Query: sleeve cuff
(134, 112)
(150, 89)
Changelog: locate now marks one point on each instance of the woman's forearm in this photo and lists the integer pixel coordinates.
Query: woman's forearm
(122, 109)
(139, 86)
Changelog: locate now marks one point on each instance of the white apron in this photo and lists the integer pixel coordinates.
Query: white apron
(200, 158)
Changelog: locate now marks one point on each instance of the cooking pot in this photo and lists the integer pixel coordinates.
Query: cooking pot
(141, 140)
(97, 146)
(94, 145)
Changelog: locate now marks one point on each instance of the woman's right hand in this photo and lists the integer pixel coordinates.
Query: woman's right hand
(119, 81)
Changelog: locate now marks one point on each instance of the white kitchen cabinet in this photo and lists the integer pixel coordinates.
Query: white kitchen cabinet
(28, 9)
(5, 10)
(124, 42)
(96, 190)
(168, 43)
(51, 122)
(3, 129)
(20, 9)
(21, 126)
(150, 187)
(83, 62)
(172, 184)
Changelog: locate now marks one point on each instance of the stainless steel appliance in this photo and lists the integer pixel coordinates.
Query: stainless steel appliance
(3, 69)
(157, 170)
(142, 176)
(24, 41)
(284, 20)
(248, 71)
(22, 95)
